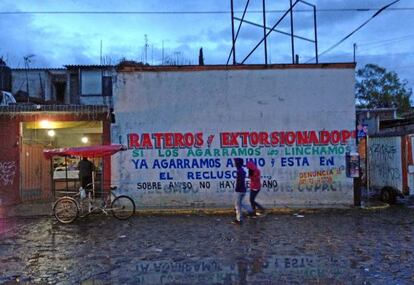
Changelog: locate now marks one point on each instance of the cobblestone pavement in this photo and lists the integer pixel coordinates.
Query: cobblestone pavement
(327, 247)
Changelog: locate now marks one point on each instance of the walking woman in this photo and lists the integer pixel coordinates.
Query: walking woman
(255, 186)
(240, 192)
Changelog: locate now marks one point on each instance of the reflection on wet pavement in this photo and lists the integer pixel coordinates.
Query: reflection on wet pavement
(335, 247)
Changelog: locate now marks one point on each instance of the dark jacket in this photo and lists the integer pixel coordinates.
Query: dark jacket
(85, 168)
(241, 176)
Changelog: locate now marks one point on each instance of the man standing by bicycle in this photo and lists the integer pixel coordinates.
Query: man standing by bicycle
(86, 168)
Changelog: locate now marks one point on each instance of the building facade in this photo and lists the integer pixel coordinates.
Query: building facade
(185, 125)
(74, 84)
(25, 175)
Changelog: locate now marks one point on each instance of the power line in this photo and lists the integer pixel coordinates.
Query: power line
(387, 41)
(357, 29)
(199, 12)
(404, 66)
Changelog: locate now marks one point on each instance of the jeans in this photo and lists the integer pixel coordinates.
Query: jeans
(239, 205)
(85, 180)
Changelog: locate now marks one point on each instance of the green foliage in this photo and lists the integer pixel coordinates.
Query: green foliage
(378, 88)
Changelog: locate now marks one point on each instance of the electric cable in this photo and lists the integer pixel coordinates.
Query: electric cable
(386, 41)
(355, 30)
(200, 12)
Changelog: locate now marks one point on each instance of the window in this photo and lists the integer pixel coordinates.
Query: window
(107, 86)
(91, 83)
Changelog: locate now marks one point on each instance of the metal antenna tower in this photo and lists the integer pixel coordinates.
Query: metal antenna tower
(27, 62)
(146, 48)
(267, 30)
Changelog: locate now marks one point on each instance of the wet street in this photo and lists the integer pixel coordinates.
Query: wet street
(326, 247)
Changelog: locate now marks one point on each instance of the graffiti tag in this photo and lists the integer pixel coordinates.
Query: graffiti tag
(7, 172)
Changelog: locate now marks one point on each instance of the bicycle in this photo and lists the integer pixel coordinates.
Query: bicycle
(67, 209)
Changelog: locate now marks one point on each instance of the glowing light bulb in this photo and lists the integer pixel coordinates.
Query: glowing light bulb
(51, 133)
(45, 124)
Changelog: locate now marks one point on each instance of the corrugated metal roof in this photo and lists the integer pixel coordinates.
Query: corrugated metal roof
(30, 108)
(375, 109)
(88, 66)
(38, 68)
(69, 66)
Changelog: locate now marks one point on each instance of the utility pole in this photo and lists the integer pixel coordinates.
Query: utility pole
(152, 54)
(146, 48)
(100, 57)
(162, 59)
(355, 47)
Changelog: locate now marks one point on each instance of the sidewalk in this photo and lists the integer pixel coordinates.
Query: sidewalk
(46, 209)
(27, 210)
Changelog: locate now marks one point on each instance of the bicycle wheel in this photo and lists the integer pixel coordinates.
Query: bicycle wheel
(66, 210)
(123, 207)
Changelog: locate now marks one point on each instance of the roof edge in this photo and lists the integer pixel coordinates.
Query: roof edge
(132, 67)
(32, 108)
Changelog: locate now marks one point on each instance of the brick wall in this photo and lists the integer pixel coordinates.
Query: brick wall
(9, 161)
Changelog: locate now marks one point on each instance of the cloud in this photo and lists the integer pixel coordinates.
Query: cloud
(75, 39)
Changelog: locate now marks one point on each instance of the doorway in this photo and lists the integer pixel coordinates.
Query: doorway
(42, 179)
(60, 88)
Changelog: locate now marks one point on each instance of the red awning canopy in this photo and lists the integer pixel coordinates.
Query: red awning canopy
(87, 151)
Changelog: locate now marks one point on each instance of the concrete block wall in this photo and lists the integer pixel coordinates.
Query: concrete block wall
(184, 128)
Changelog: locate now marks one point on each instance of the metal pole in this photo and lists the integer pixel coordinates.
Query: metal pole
(271, 29)
(53, 179)
(355, 46)
(100, 57)
(274, 30)
(291, 32)
(316, 34)
(238, 29)
(367, 167)
(66, 173)
(264, 30)
(162, 63)
(232, 32)
(27, 80)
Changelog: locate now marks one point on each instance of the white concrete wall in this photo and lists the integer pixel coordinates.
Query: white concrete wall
(211, 103)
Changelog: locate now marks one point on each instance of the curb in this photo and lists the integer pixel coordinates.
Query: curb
(201, 212)
(230, 211)
(33, 210)
(375, 207)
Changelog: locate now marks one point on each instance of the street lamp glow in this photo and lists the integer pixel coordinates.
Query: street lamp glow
(85, 139)
(51, 133)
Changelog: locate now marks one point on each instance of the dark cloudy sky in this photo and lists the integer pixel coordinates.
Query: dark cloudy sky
(75, 38)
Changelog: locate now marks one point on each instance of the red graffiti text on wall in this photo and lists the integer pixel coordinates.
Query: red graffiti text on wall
(240, 139)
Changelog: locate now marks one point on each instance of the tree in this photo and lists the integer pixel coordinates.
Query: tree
(200, 57)
(378, 88)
